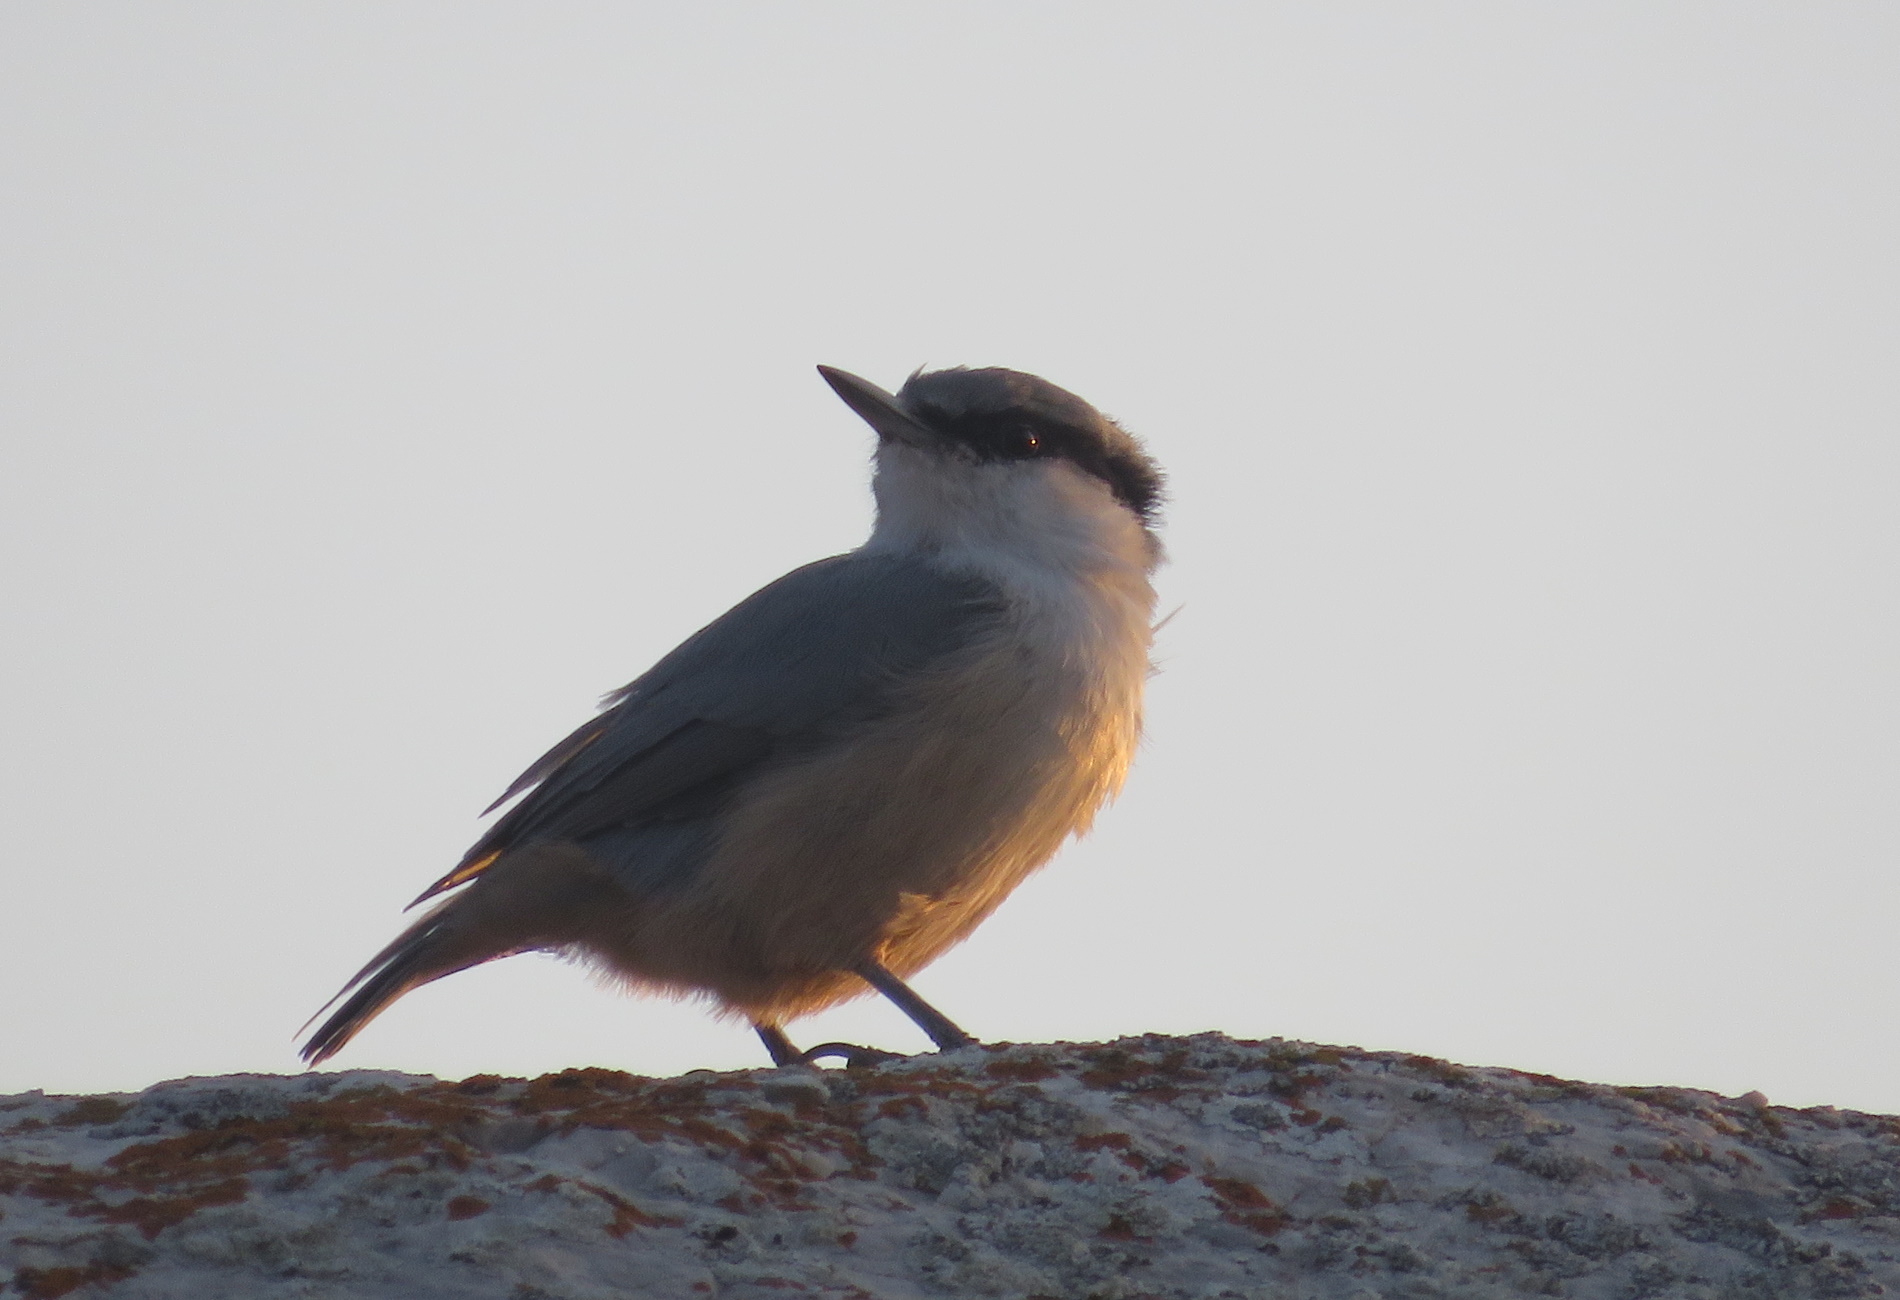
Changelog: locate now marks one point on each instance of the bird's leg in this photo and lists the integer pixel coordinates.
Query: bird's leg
(942, 1031)
(783, 1053)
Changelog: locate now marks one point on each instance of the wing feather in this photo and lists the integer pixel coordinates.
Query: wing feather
(814, 652)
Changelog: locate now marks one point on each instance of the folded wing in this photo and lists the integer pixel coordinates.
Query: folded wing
(814, 652)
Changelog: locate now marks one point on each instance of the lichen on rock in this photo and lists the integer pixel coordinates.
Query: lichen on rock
(1192, 1167)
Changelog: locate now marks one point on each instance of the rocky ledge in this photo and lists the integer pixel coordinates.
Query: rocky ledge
(1149, 1167)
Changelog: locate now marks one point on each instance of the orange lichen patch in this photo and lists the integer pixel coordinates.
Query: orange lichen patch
(1116, 1069)
(808, 1101)
(1168, 1171)
(1490, 1212)
(1722, 1126)
(467, 1207)
(627, 1215)
(940, 1084)
(51, 1283)
(1280, 1057)
(778, 1145)
(1550, 1085)
(1291, 1088)
(1669, 1099)
(151, 1215)
(774, 1152)
(1165, 1168)
(1032, 1069)
(155, 1185)
(782, 1156)
(768, 1143)
(1246, 1205)
(608, 1099)
(1686, 1153)
(1452, 1076)
(96, 1195)
(1838, 1207)
(1370, 1191)
(381, 1124)
(92, 1110)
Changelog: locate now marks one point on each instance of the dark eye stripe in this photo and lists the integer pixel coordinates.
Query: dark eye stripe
(1015, 435)
(1006, 415)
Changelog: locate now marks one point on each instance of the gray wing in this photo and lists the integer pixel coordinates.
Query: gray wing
(794, 663)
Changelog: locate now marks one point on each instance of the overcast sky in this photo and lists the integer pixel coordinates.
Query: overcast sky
(386, 381)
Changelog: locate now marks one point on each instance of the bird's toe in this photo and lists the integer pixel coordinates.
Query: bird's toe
(855, 1057)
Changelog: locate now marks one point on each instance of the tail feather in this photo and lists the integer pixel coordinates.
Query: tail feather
(425, 952)
(544, 897)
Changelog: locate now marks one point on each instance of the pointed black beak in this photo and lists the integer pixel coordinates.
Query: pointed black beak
(878, 408)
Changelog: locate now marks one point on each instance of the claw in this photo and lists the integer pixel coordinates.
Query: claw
(855, 1057)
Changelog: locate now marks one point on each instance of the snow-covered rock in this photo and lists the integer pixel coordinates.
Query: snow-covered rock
(1149, 1167)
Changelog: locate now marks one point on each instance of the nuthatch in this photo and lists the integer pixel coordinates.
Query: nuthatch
(841, 777)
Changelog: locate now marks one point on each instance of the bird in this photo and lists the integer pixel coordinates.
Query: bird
(836, 781)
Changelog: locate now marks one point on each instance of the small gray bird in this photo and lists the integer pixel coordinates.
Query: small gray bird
(841, 777)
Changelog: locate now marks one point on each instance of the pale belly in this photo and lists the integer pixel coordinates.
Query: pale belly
(901, 842)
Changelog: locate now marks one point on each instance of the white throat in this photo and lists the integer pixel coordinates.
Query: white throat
(1017, 523)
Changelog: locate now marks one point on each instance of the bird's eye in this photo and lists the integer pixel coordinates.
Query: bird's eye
(1023, 440)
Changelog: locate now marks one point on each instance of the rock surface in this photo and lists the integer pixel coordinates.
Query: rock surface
(1149, 1167)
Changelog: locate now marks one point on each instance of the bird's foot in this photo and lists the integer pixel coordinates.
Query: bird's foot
(943, 1032)
(785, 1054)
(855, 1057)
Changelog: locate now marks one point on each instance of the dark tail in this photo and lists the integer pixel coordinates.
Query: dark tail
(431, 948)
(541, 897)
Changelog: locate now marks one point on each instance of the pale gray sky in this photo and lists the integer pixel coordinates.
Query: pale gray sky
(386, 381)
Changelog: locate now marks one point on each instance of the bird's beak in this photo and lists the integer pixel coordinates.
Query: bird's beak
(879, 409)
